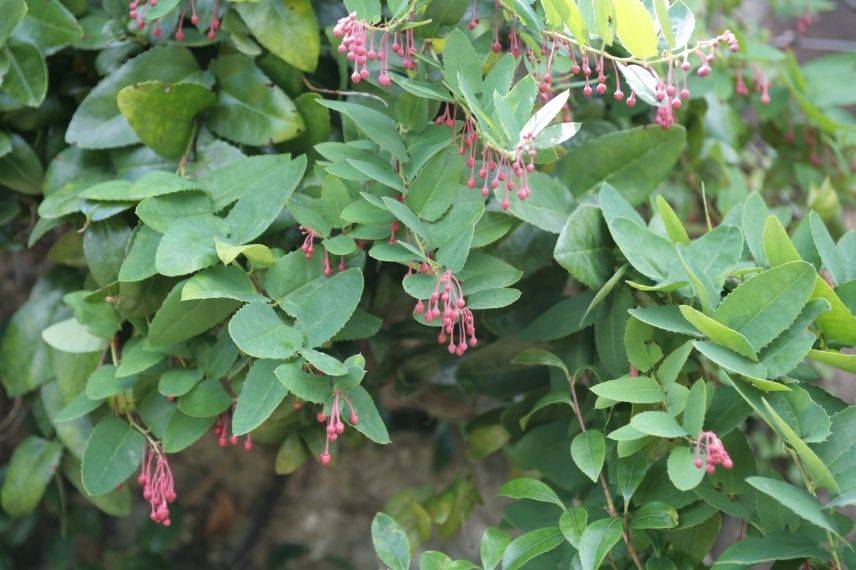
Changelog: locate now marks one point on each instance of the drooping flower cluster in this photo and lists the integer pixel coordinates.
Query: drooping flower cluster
(360, 47)
(157, 483)
(308, 248)
(761, 84)
(222, 427)
(495, 168)
(671, 88)
(709, 445)
(335, 425)
(137, 9)
(447, 301)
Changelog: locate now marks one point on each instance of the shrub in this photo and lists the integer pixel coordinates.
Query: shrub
(576, 221)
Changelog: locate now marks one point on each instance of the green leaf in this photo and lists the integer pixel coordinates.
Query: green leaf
(177, 320)
(258, 331)
(829, 255)
(432, 192)
(370, 423)
(377, 126)
(659, 424)
(161, 212)
(638, 390)
(260, 394)
(609, 331)
(674, 228)
(256, 253)
(188, 245)
(818, 470)
(597, 540)
(792, 346)
(322, 307)
(797, 500)
(695, 409)
(650, 254)
(137, 356)
(27, 77)
(566, 12)
(309, 387)
(573, 524)
(532, 489)
(20, 169)
(583, 247)
(459, 58)
(71, 336)
(752, 550)
(99, 317)
(221, 282)
(630, 473)
(104, 383)
(139, 263)
(493, 544)
(250, 109)
(733, 362)
(24, 356)
(267, 18)
(642, 351)
(765, 305)
(719, 333)
(183, 430)
(113, 453)
(717, 253)
(654, 515)
(846, 362)
(666, 317)
(207, 399)
(527, 546)
(323, 362)
(13, 11)
(538, 357)
(672, 365)
(588, 450)
(682, 471)
(635, 28)
(753, 219)
(634, 161)
(179, 382)
(839, 451)
(31, 468)
(255, 212)
(777, 245)
(704, 289)
(290, 456)
(838, 324)
(77, 408)
(390, 542)
(48, 24)
(162, 114)
(807, 418)
(543, 402)
(245, 176)
(98, 123)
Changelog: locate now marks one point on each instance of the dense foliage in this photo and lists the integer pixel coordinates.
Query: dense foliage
(609, 231)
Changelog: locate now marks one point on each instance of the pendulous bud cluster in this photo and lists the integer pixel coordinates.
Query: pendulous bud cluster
(137, 8)
(335, 425)
(157, 483)
(709, 445)
(360, 47)
(447, 301)
(222, 427)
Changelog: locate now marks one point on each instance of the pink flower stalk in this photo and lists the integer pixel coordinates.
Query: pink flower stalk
(458, 326)
(137, 8)
(335, 425)
(157, 483)
(711, 446)
(222, 427)
(308, 247)
(762, 85)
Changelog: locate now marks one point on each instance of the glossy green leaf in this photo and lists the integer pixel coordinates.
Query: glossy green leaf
(221, 282)
(27, 77)
(659, 424)
(260, 394)
(250, 109)
(797, 500)
(267, 18)
(530, 545)
(162, 114)
(390, 542)
(322, 307)
(719, 333)
(177, 320)
(532, 489)
(493, 544)
(258, 331)
(113, 453)
(583, 247)
(597, 541)
(638, 390)
(682, 471)
(588, 450)
(635, 28)
(31, 468)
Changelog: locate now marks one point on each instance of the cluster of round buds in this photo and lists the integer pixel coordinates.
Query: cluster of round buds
(514, 41)
(360, 48)
(222, 427)
(711, 446)
(308, 245)
(157, 483)
(804, 22)
(335, 425)
(447, 301)
(761, 84)
(136, 9)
